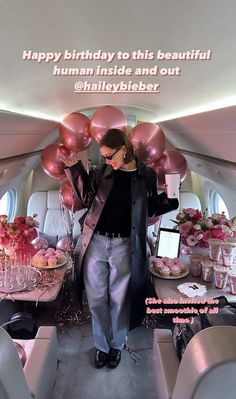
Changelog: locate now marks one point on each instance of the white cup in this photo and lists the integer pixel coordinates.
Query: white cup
(172, 185)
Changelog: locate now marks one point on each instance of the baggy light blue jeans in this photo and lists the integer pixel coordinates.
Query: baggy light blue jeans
(107, 272)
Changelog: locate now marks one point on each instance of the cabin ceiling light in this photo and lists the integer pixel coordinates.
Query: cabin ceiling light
(218, 104)
(33, 114)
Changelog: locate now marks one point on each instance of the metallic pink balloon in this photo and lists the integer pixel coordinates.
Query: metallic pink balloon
(174, 163)
(65, 154)
(50, 161)
(40, 243)
(148, 141)
(106, 118)
(67, 196)
(160, 162)
(65, 244)
(74, 132)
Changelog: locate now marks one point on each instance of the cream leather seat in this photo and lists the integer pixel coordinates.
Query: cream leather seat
(53, 220)
(207, 369)
(37, 378)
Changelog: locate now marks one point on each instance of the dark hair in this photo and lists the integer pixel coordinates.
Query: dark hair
(115, 138)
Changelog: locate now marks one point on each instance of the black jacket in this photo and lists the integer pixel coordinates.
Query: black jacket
(146, 202)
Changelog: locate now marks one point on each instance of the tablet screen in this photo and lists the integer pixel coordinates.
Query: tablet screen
(169, 243)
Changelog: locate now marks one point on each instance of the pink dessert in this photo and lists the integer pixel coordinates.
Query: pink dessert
(178, 262)
(166, 260)
(60, 256)
(175, 271)
(164, 271)
(52, 261)
(41, 252)
(42, 260)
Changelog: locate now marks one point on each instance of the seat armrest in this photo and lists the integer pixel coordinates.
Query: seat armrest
(166, 363)
(46, 332)
(41, 366)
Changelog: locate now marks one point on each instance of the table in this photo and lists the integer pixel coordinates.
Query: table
(41, 293)
(168, 288)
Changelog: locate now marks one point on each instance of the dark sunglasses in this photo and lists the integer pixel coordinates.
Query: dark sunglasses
(109, 157)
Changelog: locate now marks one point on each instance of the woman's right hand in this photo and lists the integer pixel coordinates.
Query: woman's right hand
(69, 159)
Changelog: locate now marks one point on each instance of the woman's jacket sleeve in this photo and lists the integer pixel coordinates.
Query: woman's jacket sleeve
(84, 185)
(158, 204)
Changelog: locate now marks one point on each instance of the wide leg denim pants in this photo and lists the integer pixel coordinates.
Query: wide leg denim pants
(107, 273)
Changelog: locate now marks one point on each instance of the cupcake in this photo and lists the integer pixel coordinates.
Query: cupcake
(52, 261)
(60, 256)
(178, 262)
(51, 251)
(42, 261)
(41, 252)
(175, 271)
(35, 260)
(164, 271)
(157, 264)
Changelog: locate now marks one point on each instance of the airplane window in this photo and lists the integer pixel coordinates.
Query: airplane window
(218, 204)
(7, 204)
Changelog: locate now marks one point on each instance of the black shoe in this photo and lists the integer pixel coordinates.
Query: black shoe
(101, 359)
(114, 358)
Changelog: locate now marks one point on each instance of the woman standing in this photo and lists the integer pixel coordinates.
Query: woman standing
(120, 196)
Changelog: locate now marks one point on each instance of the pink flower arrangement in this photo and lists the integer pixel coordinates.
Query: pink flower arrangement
(19, 232)
(196, 229)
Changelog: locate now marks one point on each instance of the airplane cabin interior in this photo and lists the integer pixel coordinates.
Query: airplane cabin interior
(163, 72)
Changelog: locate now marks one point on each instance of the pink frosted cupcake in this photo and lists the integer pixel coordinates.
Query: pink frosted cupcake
(157, 263)
(178, 262)
(166, 260)
(42, 261)
(60, 256)
(51, 251)
(164, 271)
(175, 271)
(52, 261)
(41, 252)
(35, 260)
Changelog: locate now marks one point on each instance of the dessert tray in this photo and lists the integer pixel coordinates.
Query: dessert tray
(157, 274)
(47, 267)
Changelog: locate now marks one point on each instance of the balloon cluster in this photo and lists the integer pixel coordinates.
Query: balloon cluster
(77, 132)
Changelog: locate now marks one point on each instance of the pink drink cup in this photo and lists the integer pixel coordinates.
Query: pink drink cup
(207, 270)
(195, 265)
(221, 276)
(227, 253)
(214, 248)
(232, 281)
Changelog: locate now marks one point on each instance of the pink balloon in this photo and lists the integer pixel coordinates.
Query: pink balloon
(68, 198)
(40, 243)
(50, 161)
(174, 163)
(65, 244)
(160, 162)
(106, 118)
(148, 141)
(65, 154)
(74, 132)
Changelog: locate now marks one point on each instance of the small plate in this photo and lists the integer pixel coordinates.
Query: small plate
(51, 267)
(157, 274)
